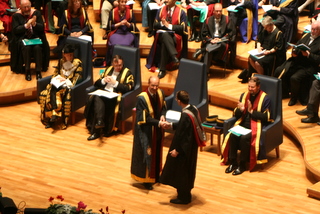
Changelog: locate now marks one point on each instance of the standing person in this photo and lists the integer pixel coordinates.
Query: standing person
(55, 100)
(179, 170)
(171, 38)
(27, 23)
(146, 163)
(101, 112)
(252, 112)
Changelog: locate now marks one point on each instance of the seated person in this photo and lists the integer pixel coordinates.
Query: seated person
(55, 100)
(198, 8)
(216, 33)
(27, 23)
(244, 7)
(285, 16)
(101, 112)
(5, 16)
(252, 112)
(271, 44)
(122, 29)
(170, 41)
(74, 22)
(312, 110)
(149, 15)
(106, 7)
(297, 72)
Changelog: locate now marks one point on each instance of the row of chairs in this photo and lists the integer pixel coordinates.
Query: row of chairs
(191, 74)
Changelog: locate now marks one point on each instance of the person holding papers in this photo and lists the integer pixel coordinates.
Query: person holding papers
(146, 161)
(27, 24)
(122, 29)
(179, 170)
(297, 73)
(216, 34)
(149, 13)
(271, 50)
(55, 100)
(171, 39)
(252, 114)
(101, 112)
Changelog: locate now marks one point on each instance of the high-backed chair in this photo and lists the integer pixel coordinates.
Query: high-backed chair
(131, 60)
(272, 134)
(192, 77)
(78, 92)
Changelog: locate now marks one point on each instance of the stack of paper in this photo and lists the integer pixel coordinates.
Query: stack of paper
(239, 130)
(173, 116)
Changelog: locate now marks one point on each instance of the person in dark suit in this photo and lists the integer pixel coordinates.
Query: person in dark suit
(216, 32)
(179, 170)
(172, 42)
(27, 23)
(312, 109)
(297, 72)
(101, 112)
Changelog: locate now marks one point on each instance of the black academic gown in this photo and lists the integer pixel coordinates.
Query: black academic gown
(180, 172)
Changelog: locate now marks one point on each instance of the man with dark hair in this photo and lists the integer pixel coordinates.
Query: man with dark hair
(102, 112)
(146, 162)
(179, 170)
(252, 113)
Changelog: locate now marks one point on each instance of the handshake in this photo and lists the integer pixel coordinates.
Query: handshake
(165, 125)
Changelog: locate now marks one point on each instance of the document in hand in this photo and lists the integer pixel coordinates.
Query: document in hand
(317, 76)
(232, 8)
(239, 130)
(173, 116)
(302, 47)
(57, 81)
(35, 41)
(154, 6)
(104, 93)
(255, 53)
(267, 7)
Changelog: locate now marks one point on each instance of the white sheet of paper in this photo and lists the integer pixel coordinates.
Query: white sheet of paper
(173, 116)
(239, 130)
(104, 93)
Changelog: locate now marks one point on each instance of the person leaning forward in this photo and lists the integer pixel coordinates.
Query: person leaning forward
(101, 112)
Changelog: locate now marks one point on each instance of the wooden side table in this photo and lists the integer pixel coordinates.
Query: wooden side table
(214, 131)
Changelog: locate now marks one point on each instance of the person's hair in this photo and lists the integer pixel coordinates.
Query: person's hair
(217, 4)
(183, 96)
(267, 21)
(116, 58)
(69, 48)
(255, 79)
(78, 12)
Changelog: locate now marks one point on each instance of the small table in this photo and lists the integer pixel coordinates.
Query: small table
(214, 131)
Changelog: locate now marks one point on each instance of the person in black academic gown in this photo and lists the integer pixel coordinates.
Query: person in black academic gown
(179, 170)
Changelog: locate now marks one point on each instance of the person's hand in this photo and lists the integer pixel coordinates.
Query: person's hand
(215, 40)
(275, 8)
(249, 107)
(240, 106)
(162, 118)
(305, 53)
(164, 22)
(115, 4)
(109, 79)
(165, 125)
(174, 153)
(294, 53)
(4, 38)
(73, 34)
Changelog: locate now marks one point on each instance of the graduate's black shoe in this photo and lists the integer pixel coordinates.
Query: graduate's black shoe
(310, 120)
(304, 112)
(93, 136)
(148, 186)
(53, 118)
(175, 60)
(99, 124)
(49, 125)
(161, 74)
(38, 75)
(231, 167)
(178, 201)
(238, 171)
(150, 34)
(292, 102)
(197, 53)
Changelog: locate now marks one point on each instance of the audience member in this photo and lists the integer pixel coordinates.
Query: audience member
(216, 33)
(122, 29)
(297, 72)
(146, 161)
(102, 112)
(74, 22)
(5, 16)
(271, 45)
(149, 14)
(27, 23)
(197, 12)
(55, 100)
(285, 16)
(252, 113)
(312, 108)
(106, 7)
(170, 42)
(179, 170)
(51, 9)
